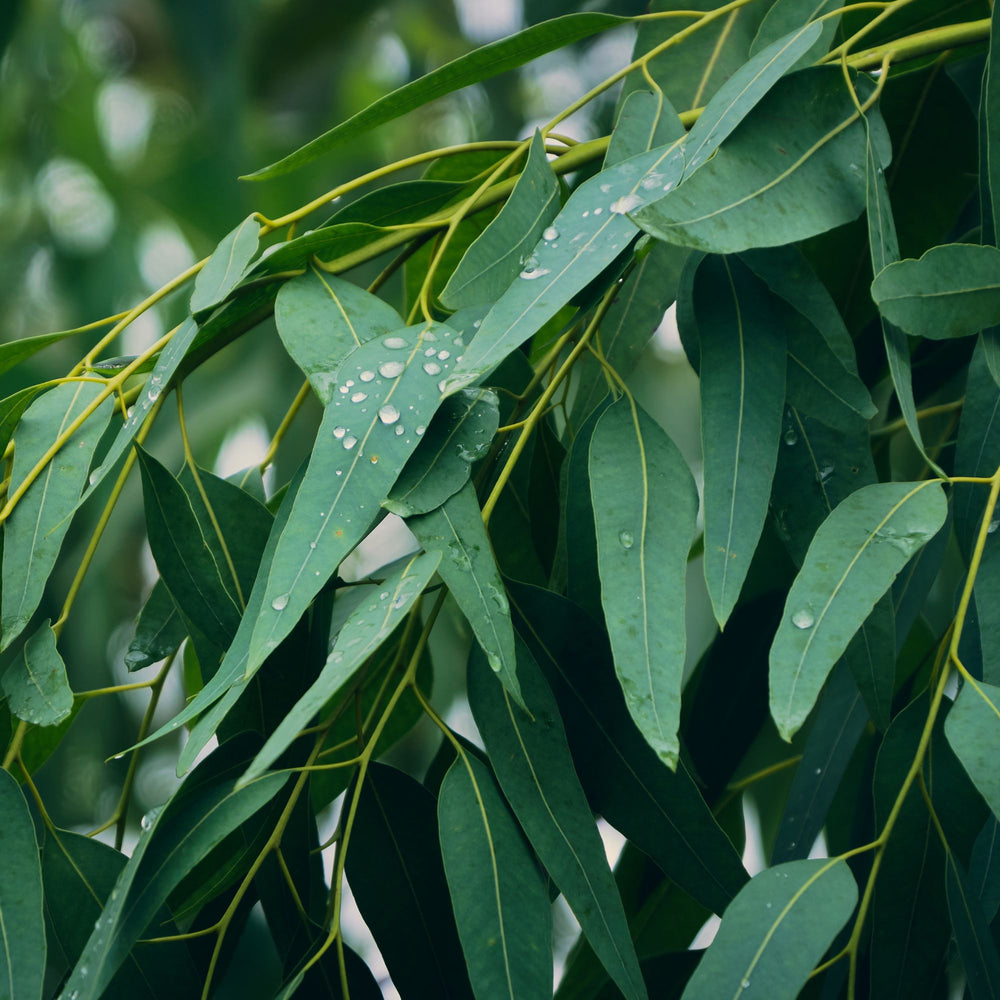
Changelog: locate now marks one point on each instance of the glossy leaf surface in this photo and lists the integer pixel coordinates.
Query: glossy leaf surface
(35, 684)
(223, 270)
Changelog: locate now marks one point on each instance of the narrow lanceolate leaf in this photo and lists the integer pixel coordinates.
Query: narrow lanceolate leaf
(394, 868)
(645, 504)
(951, 291)
(535, 770)
(223, 270)
(388, 390)
(499, 254)
(182, 834)
(786, 15)
(34, 532)
(456, 531)
(851, 562)
(22, 925)
(973, 730)
(499, 897)
(775, 932)
(990, 105)
(35, 684)
(460, 433)
(742, 400)
(791, 170)
(481, 64)
(321, 318)
(737, 97)
(587, 235)
(360, 636)
(646, 120)
(159, 630)
(159, 378)
(972, 934)
(198, 583)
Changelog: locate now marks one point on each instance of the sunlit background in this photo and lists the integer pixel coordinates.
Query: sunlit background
(123, 127)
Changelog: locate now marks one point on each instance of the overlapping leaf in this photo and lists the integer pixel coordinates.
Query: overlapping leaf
(223, 270)
(35, 684)
(973, 730)
(645, 505)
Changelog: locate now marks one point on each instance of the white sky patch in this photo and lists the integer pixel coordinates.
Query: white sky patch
(163, 253)
(245, 445)
(125, 112)
(487, 20)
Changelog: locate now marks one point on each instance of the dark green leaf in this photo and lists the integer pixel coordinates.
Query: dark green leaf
(742, 352)
(35, 684)
(984, 867)
(22, 927)
(456, 531)
(460, 433)
(972, 934)
(394, 868)
(34, 532)
(11, 409)
(646, 120)
(481, 64)
(499, 897)
(973, 730)
(645, 504)
(786, 15)
(223, 270)
(159, 630)
(496, 257)
(776, 931)
(852, 561)
(321, 318)
(535, 770)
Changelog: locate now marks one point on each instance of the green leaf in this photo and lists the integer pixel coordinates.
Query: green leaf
(456, 531)
(535, 770)
(388, 391)
(775, 931)
(984, 871)
(394, 868)
(590, 232)
(500, 900)
(321, 318)
(361, 635)
(159, 630)
(785, 15)
(645, 504)
(988, 125)
(743, 364)
(852, 561)
(951, 291)
(35, 684)
(460, 433)
(223, 270)
(16, 351)
(11, 409)
(203, 812)
(34, 532)
(662, 812)
(972, 934)
(480, 64)
(789, 171)
(743, 91)
(159, 379)
(496, 257)
(646, 120)
(22, 926)
(973, 730)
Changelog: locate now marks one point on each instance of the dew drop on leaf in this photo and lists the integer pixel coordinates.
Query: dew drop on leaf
(350, 441)
(432, 368)
(993, 525)
(803, 618)
(359, 397)
(395, 343)
(280, 602)
(624, 204)
(791, 436)
(366, 376)
(626, 539)
(550, 234)
(391, 369)
(339, 432)
(388, 414)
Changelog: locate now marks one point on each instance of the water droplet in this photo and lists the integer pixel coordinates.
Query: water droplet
(768, 905)
(366, 376)
(388, 414)
(430, 352)
(745, 984)
(359, 397)
(532, 272)
(444, 355)
(584, 216)
(340, 472)
(399, 430)
(605, 188)
(149, 819)
(339, 432)
(84, 971)
(350, 441)
(803, 618)
(429, 335)
(651, 180)
(420, 430)
(818, 770)
(432, 368)
(550, 234)
(344, 389)
(74, 994)
(668, 185)
(625, 204)
(374, 459)
(597, 211)
(824, 471)
(791, 436)
(993, 525)
(280, 602)
(349, 383)
(391, 369)
(395, 343)
(626, 539)
(494, 661)
(383, 595)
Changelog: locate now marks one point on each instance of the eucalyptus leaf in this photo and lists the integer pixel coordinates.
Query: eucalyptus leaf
(973, 730)
(223, 270)
(972, 934)
(645, 504)
(785, 15)
(35, 684)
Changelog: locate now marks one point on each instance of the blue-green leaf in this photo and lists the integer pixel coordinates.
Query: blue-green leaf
(775, 932)
(535, 770)
(34, 532)
(35, 683)
(852, 561)
(496, 257)
(22, 926)
(456, 531)
(743, 363)
(321, 318)
(645, 504)
(973, 730)
(500, 900)
(972, 934)
(223, 270)
(480, 64)
(785, 15)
